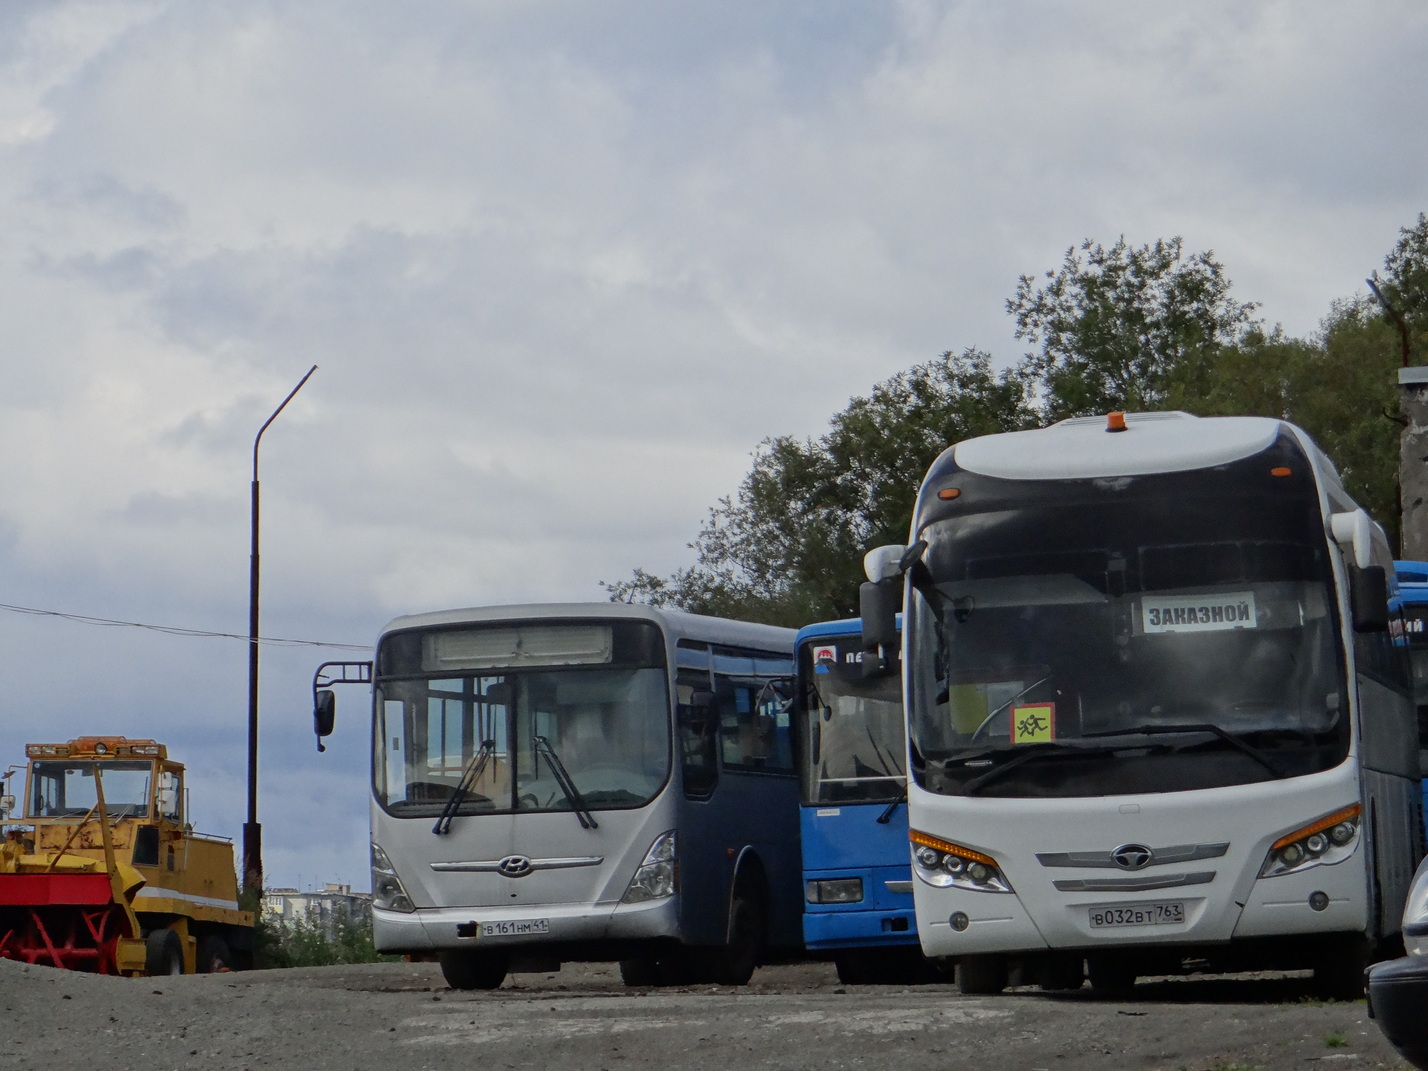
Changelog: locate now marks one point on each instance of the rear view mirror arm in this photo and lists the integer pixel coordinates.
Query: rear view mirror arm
(324, 703)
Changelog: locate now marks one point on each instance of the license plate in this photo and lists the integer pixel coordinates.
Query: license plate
(1158, 914)
(515, 927)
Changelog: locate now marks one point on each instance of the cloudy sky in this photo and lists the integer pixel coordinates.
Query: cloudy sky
(562, 266)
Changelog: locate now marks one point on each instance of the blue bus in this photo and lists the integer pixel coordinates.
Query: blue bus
(579, 782)
(857, 875)
(1413, 598)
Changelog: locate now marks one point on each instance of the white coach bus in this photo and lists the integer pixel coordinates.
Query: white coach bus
(580, 782)
(1156, 721)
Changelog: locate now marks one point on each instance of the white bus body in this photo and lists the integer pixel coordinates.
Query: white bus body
(1144, 733)
(581, 781)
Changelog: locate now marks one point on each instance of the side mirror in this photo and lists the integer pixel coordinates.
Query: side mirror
(324, 714)
(1368, 595)
(877, 604)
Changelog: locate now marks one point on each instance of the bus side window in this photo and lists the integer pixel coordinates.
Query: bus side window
(696, 728)
(750, 737)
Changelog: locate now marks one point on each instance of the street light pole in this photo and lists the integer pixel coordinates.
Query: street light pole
(252, 831)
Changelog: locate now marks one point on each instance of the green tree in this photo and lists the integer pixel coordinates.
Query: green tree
(788, 548)
(1118, 328)
(1140, 328)
(1406, 283)
(1340, 386)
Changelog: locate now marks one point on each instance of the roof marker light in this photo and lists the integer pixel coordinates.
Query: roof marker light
(947, 494)
(1116, 421)
(1281, 470)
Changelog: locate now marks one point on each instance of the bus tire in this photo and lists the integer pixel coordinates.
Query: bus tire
(473, 970)
(640, 971)
(734, 963)
(163, 953)
(982, 975)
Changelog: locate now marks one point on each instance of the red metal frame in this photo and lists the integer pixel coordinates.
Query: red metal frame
(70, 937)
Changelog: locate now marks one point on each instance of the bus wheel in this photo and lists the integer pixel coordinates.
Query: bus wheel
(473, 970)
(1109, 973)
(734, 963)
(641, 971)
(981, 975)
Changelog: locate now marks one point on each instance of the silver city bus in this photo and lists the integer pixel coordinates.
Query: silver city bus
(580, 782)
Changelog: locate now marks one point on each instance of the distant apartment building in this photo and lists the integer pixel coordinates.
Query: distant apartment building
(318, 908)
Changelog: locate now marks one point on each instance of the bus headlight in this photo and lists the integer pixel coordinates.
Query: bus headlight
(658, 876)
(1330, 840)
(387, 889)
(944, 864)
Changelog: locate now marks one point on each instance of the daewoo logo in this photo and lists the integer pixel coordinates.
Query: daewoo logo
(514, 866)
(1131, 856)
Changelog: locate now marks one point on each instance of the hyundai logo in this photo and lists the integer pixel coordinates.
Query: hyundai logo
(515, 866)
(1132, 856)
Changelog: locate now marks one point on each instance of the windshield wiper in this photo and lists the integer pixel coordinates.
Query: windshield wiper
(1199, 727)
(886, 816)
(1028, 752)
(469, 776)
(567, 786)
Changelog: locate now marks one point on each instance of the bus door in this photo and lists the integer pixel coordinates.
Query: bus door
(739, 815)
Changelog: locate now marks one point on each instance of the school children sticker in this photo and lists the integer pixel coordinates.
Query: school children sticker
(1034, 723)
(1197, 613)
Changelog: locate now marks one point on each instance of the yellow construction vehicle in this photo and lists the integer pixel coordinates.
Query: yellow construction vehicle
(104, 874)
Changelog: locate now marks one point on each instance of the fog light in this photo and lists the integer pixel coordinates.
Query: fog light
(1318, 900)
(958, 921)
(835, 891)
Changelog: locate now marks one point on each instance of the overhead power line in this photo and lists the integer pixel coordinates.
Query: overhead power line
(172, 630)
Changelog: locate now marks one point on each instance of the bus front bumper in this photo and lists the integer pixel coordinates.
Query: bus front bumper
(433, 929)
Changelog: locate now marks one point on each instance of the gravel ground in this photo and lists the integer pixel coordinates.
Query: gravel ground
(395, 1016)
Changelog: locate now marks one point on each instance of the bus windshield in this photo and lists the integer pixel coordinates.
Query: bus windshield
(589, 732)
(852, 726)
(1125, 643)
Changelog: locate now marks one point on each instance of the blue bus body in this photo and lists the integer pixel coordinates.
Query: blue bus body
(1413, 604)
(853, 815)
